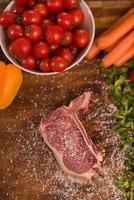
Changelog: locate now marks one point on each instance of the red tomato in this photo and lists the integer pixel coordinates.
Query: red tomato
(44, 65)
(67, 40)
(31, 17)
(33, 32)
(65, 20)
(65, 53)
(31, 3)
(54, 34)
(71, 4)
(74, 50)
(78, 16)
(7, 18)
(80, 38)
(53, 48)
(45, 23)
(58, 64)
(54, 6)
(15, 31)
(40, 50)
(21, 2)
(131, 76)
(41, 9)
(17, 9)
(22, 47)
(29, 63)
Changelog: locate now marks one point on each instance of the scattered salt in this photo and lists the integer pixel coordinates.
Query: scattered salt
(32, 164)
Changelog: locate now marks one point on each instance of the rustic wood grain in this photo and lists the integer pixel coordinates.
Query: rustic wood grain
(107, 12)
(22, 150)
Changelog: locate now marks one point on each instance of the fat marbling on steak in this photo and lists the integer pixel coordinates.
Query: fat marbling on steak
(66, 137)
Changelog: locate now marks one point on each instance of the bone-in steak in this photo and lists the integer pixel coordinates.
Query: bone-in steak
(66, 137)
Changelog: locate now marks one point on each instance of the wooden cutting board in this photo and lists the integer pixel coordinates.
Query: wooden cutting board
(28, 170)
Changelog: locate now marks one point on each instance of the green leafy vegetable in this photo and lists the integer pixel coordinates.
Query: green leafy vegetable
(122, 94)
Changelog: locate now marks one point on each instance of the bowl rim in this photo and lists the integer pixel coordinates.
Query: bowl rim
(52, 73)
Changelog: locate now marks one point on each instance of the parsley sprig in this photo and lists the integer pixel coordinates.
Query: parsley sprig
(122, 94)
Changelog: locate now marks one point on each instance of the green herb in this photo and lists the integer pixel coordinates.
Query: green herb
(122, 94)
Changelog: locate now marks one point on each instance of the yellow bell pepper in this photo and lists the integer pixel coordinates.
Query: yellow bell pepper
(10, 81)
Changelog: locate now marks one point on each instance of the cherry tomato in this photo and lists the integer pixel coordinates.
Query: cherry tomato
(17, 9)
(131, 76)
(80, 38)
(21, 2)
(7, 18)
(58, 64)
(78, 16)
(74, 49)
(53, 48)
(67, 40)
(44, 65)
(40, 50)
(31, 17)
(54, 6)
(41, 9)
(31, 3)
(65, 53)
(22, 47)
(15, 31)
(71, 4)
(33, 32)
(54, 34)
(45, 23)
(65, 20)
(29, 62)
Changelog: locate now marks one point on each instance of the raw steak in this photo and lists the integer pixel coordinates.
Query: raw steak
(66, 137)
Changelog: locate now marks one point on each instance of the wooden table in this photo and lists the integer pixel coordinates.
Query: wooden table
(28, 170)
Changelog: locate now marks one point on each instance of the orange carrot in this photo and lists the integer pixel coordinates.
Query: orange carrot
(119, 50)
(118, 30)
(127, 55)
(120, 20)
(113, 46)
(93, 52)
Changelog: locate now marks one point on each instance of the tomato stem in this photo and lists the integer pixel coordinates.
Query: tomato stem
(27, 29)
(18, 19)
